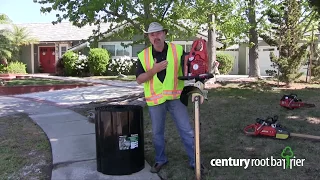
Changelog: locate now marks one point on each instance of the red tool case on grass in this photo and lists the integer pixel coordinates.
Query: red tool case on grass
(292, 102)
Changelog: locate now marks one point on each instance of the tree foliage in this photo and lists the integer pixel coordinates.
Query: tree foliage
(229, 23)
(5, 51)
(315, 4)
(18, 37)
(287, 35)
(4, 39)
(137, 15)
(12, 38)
(183, 18)
(4, 19)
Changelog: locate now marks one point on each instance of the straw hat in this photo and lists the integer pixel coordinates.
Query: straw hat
(155, 27)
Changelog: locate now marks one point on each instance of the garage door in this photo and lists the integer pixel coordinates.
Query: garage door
(264, 59)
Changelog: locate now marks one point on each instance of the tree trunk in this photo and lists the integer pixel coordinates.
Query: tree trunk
(146, 25)
(211, 42)
(254, 69)
(317, 46)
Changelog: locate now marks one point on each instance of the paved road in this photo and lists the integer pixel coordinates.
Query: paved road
(82, 95)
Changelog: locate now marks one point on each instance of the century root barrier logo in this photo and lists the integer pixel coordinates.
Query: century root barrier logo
(288, 161)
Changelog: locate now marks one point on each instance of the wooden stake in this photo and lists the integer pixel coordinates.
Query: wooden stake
(197, 136)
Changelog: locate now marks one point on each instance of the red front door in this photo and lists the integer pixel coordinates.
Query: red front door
(47, 59)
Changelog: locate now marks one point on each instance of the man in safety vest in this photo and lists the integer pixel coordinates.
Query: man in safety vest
(158, 69)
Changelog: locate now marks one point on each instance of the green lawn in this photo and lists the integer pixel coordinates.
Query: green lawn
(223, 118)
(25, 151)
(37, 81)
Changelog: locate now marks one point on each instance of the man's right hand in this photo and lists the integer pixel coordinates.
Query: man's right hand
(157, 67)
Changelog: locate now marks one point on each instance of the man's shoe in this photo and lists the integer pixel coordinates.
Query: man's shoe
(157, 167)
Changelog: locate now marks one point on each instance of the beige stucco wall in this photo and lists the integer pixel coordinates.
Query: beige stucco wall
(25, 57)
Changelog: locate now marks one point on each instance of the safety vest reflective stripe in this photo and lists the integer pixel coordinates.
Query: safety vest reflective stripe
(147, 62)
(176, 67)
(154, 98)
(172, 92)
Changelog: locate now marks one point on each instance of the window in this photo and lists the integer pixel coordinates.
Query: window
(63, 49)
(122, 51)
(268, 49)
(116, 49)
(110, 48)
(188, 47)
(136, 49)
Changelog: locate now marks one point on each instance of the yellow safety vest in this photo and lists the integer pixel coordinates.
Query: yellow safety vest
(155, 91)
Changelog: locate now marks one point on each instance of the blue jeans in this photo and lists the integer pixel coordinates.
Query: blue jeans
(179, 114)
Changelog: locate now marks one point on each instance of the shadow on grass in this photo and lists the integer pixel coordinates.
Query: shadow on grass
(263, 85)
(223, 117)
(256, 85)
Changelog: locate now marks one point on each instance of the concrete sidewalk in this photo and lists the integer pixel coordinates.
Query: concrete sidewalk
(72, 140)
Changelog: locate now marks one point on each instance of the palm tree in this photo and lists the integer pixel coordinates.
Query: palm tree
(13, 38)
(5, 50)
(4, 19)
(4, 40)
(19, 36)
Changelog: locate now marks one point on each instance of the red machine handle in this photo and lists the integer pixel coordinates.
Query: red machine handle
(250, 127)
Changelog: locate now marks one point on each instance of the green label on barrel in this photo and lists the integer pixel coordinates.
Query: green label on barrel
(128, 142)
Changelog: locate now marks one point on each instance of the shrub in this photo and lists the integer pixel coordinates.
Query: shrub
(98, 60)
(272, 73)
(3, 68)
(226, 63)
(124, 65)
(78, 66)
(15, 67)
(69, 60)
(81, 66)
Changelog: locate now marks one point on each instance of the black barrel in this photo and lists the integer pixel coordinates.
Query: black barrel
(119, 139)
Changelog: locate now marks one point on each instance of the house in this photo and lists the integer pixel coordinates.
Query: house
(55, 40)
(264, 61)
